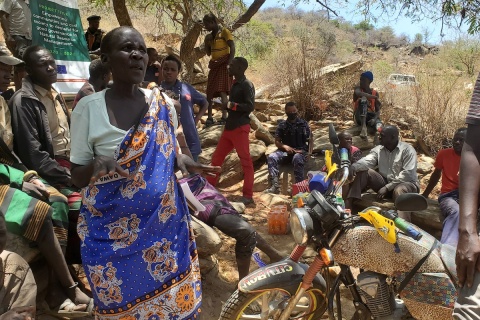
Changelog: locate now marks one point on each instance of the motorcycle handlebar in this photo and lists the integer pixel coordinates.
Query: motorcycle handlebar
(403, 225)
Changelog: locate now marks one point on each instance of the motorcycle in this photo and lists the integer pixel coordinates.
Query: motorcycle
(395, 258)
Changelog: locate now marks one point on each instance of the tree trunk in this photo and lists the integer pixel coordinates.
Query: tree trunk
(121, 11)
(190, 54)
(245, 17)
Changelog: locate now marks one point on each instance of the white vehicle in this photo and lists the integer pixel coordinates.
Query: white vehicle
(397, 79)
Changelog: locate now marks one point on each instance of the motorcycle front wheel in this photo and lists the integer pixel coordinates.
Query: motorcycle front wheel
(268, 305)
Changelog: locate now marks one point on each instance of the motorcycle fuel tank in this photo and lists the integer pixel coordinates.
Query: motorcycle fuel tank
(361, 246)
(286, 275)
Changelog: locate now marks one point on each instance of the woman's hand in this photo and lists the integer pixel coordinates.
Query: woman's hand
(188, 166)
(103, 165)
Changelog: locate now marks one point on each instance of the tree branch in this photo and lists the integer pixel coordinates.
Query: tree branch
(326, 7)
(245, 17)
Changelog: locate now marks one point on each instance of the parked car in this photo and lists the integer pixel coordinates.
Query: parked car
(398, 79)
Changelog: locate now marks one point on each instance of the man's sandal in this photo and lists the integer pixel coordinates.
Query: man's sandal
(209, 122)
(222, 121)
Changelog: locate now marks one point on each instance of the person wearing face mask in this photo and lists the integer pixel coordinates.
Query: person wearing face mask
(292, 140)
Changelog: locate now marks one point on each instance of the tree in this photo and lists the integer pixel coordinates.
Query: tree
(466, 52)
(418, 39)
(364, 26)
(188, 14)
(448, 11)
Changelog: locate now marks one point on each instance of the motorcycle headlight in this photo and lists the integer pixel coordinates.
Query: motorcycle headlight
(302, 225)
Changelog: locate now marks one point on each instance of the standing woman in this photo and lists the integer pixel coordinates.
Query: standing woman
(137, 247)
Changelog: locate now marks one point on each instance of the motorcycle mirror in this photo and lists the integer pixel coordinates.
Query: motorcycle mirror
(411, 202)
(332, 135)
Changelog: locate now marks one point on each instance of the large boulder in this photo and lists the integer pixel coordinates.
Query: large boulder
(232, 171)
(260, 182)
(262, 134)
(208, 241)
(261, 116)
(363, 144)
(210, 136)
(321, 143)
(269, 199)
(263, 104)
(424, 167)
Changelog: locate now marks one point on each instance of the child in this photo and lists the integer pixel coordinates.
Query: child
(219, 44)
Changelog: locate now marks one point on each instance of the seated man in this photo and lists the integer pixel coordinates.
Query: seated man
(98, 80)
(221, 214)
(40, 121)
(354, 154)
(292, 140)
(18, 290)
(366, 105)
(397, 170)
(447, 165)
(38, 222)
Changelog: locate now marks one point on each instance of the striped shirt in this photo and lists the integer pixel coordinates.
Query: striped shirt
(473, 115)
(220, 46)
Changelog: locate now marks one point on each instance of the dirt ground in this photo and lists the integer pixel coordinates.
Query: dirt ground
(219, 284)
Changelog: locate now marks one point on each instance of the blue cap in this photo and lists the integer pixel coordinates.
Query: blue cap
(368, 75)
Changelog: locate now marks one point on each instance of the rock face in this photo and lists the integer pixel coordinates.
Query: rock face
(210, 136)
(208, 241)
(260, 182)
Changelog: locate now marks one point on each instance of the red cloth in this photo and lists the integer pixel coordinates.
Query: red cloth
(301, 186)
(449, 162)
(238, 139)
(218, 78)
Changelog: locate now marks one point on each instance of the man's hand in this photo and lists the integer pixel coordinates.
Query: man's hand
(351, 173)
(36, 189)
(19, 313)
(381, 193)
(103, 165)
(288, 149)
(188, 166)
(467, 261)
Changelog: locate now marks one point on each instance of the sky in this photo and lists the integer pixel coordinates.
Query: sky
(401, 25)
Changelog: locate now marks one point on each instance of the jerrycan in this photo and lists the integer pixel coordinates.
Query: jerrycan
(278, 219)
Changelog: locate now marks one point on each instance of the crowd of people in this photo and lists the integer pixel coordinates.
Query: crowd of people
(98, 184)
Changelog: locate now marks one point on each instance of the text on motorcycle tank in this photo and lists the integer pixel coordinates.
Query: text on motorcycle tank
(264, 273)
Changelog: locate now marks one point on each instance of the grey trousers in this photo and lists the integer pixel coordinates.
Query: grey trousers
(371, 179)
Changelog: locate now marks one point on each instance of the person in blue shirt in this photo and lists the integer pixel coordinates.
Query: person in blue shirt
(187, 96)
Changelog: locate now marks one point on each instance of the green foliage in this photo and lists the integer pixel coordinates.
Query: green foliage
(418, 39)
(255, 40)
(364, 26)
(464, 54)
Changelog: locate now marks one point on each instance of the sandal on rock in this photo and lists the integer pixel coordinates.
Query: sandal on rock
(222, 121)
(67, 309)
(209, 122)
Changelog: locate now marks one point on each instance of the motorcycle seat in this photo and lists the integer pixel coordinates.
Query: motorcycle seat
(447, 253)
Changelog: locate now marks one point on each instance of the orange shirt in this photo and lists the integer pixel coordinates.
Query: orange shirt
(449, 162)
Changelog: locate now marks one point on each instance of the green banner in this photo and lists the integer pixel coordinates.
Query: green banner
(57, 26)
